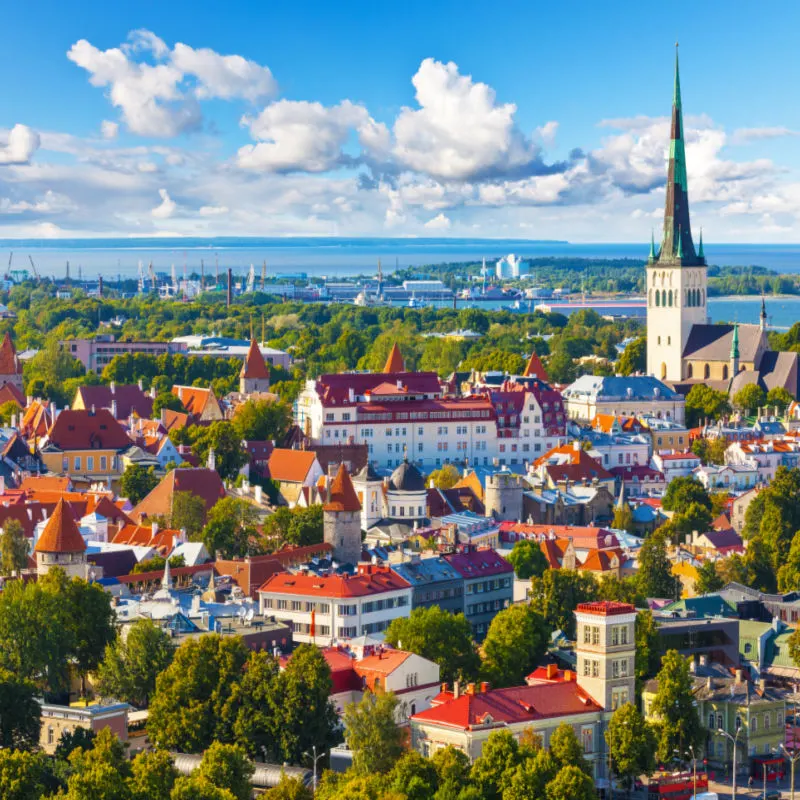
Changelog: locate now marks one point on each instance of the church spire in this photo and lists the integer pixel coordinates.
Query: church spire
(735, 341)
(652, 256)
(763, 315)
(677, 246)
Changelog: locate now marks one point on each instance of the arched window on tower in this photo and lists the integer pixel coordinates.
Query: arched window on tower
(706, 372)
(702, 297)
(669, 298)
(663, 371)
(658, 298)
(724, 372)
(689, 371)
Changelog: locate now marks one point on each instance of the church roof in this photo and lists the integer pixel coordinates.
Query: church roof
(775, 369)
(714, 342)
(407, 478)
(534, 368)
(395, 363)
(254, 365)
(9, 363)
(61, 534)
(677, 247)
(341, 494)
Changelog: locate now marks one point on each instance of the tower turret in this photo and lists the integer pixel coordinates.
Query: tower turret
(735, 350)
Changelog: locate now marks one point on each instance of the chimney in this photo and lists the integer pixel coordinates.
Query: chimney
(576, 446)
(703, 660)
(114, 408)
(257, 493)
(113, 387)
(456, 689)
(141, 385)
(470, 688)
(154, 528)
(552, 671)
(484, 687)
(443, 688)
(709, 683)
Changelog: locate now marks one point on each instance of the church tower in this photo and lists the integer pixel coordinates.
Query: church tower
(676, 273)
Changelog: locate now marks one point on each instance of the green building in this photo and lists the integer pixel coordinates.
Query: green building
(764, 647)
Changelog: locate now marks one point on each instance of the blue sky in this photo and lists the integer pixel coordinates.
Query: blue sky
(462, 119)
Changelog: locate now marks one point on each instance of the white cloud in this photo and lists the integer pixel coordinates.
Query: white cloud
(225, 77)
(108, 129)
(749, 135)
(439, 223)
(147, 166)
(166, 208)
(547, 133)
(213, 211)
(21, 143)
(459, 131)
(144, 41)
(308, 137)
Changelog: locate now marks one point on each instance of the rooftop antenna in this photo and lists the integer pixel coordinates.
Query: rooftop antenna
(263, 274)
(67, 279)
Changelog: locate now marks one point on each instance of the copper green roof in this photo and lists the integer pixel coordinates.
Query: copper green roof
(735, 341)
(677, 247)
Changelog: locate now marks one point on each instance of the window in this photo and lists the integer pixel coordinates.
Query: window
(587, 739)
(595, 669)
(595, 634)
(90, 463)
(614, 636)
(754, 725)
(587, 634)
(103, 463)
(766, 721)
(711, 721)
(65, 464)
(77, 462)
(623, 634)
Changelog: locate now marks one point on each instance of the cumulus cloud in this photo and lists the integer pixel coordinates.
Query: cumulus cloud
(547, 133)
(749, 135)
(459, 131)
(21, 143)
(309, 137)
(162, 99)
(439, 223)
(109, 129)
(213, 211)
(166, 208)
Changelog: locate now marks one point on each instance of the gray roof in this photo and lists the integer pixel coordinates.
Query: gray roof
(713, 342)
(775, 369)
(634, 387)
(407, 478)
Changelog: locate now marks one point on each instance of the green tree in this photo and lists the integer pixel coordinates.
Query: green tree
(190, 707)
(14, 548)
(750, 398)
(571, 783)
(678, 724)
(682, 492)
(648, 649)
(532, 776)
(496, 766)
(623, 518)
(633, 358)
(19, 713)
(8, 410)
(560, 367)
(566, 749)
(188, 513)
(703, 403)
(262, 420)
(527, 559)
(196, 788)
(710, 451)
(23, 775)
(229, 454)
(446, 477)
(631, 745)
(157, 564)
(439, 636)
(515, 642)
(779, 398)
(289, 789)
(131, 665)
(259, 701)
(452, 767)
(655, 569)
(372, 734)
(137, 482)
(557, 594)
(227, 766)
(168, 401)
(101, 772)
(152, 776)
(708, 579)
(230, 527)
(71, 740)
(48, 371)
(414, 777)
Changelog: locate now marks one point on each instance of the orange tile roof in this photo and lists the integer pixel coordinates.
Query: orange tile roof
(384, 662)
(369, 582)
(290, 466)
(87, 430)
(194, 398)
(205, 483)
(341, 494)
(44, 483)
(553, 550)
(143, 535)
(600, 560)
(174, 419)
(254, 365)
(11, 394)
(395, 363)
(535, 369)
(9, 363)
(61, 534)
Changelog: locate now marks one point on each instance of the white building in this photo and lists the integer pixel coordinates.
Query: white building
(330, 609)
(510, 267)
(767, 456)
(733, 477)
(675, 465)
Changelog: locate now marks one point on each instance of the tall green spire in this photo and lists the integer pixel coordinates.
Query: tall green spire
(735, 341)
(677, 244)
(652, 246)
(700, 254)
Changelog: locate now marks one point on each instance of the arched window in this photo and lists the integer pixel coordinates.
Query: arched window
(702, 297)
(664, 298)
(663, 371)
(706, 372)
(689, 371)
(658, 298)
(669, 298)
(724, 372)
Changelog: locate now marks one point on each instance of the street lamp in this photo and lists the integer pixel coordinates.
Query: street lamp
(694, 771)
(315, 757)
(734, 740)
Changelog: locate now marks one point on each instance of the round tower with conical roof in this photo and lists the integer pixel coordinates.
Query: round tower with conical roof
(61, 544)
(341, 519)
(254, 375)
(503, 496)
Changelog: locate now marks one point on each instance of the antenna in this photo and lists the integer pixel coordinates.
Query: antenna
(263, 274)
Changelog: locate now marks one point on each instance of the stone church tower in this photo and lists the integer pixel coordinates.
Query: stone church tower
(676, 273)
(341, 519)
(61, 545)
(254, 375)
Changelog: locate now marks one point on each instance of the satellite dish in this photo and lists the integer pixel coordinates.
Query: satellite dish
(241, 613)
(251, 612)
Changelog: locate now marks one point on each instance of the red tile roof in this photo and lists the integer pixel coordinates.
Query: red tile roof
(517, 704)
(341, 494)
(290, 466)
(194, 398)
(582, 537)
(394, 363)
(535, 369)
(61, 534)
(605, 608)
(601, 560)
(478, 563)
(173, 419)
(9, 363)
(130, 399)
(370, 580)
(11, 394)
(205, 483)
(334, 389)
(254, 365)
(45, 483)
(87, 430)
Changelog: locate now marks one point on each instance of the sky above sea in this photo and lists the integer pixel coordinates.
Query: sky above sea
(459, 119)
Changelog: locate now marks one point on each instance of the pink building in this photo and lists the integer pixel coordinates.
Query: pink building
(95, 353)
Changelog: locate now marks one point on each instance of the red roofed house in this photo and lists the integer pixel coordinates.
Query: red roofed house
(326, 610)
(121, 400)
(254, 375)
(205, 483)
(61, 545)
(85, 445)
(10, 365)
(200, 403)
(585, 700)
(570, 462)
(294, 470)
